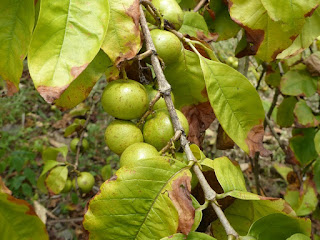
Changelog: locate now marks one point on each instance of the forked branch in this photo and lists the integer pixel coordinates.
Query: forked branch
(165, 89)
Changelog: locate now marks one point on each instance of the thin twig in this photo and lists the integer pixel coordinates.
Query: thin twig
(176, 136)
(273, 105)
(199, 5)
(82, 131)
(269, 124)
(143, 55)
(150, 109)
(154, 12)
(165, 89)
(261, 77)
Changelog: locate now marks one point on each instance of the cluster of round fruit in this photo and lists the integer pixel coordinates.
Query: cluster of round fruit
(85, 182)
(127, 101)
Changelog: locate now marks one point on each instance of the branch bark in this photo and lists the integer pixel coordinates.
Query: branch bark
(165, 89)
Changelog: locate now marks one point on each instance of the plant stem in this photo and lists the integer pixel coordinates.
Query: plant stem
(176, 136)
(165, 89)
(199, 5)
(150, 109)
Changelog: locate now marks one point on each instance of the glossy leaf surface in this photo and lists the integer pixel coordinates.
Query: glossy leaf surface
(135, 204)
(66, 39)
(19, 221)
(123, 40)
(16, 25)
(241, 120)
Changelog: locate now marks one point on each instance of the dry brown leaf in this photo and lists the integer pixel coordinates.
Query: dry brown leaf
(255, 141)
(180, 197)
(3, 188)
(199, 117)
(224, 142)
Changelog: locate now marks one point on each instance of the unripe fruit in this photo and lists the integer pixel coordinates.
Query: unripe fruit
(67, 187)
(158, 130)
(85, 182)
(160, 103)
(167, 44)
(170, 11)
(125, 99)
(137, 152)
(120, 134)
(74, 143)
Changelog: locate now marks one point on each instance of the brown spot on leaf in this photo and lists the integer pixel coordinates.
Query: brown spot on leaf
(12, 89)
(254, 141)
(50, 94)
(134, 12)
(35, 2)
(211, 37)
(224, 142)
(309, 14)
(3, 187)
(113, 178)
(290, 157)
(275, 53)
(180, 197)
(75, 71)
(198, 47)
(17, 201)
(199, 116)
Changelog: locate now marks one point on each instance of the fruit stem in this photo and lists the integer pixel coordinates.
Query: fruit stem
(150, 109)
(165, 89)
(176, 136)
(154, 12)
(199, 5)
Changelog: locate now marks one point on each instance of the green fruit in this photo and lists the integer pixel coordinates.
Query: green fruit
(120, 134)
(137, 152)
(106, 172)
(152, 93)
(125, 99)
(67, 187)
(85, 182)
(74, 143)
(158, 130)
(170, 11)
(167, 44)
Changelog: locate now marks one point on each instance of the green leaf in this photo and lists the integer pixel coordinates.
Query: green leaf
(56, 179)
(303, 201)
(137, 202)
(191, 91)
(17, 22)
(285, 117)
(19, 221)
(298, 82)
(279, 226)
(283, 170)
(289, 13)
(75, 126)
(317, 141)
(242, 214)
(273, 75)
(194, 25)
(316, 174)
(309, 32)
(241, 120)
(304, 115)
(123, 40)
(263, 32)
(228, 173)
(223, 25)
(244, 195)
(198, 213)
(298, 236)
(47, 167)
(302, 145)
(191, 236)
(197, 153)
(51, 153)
(66, 39)
(80, 88)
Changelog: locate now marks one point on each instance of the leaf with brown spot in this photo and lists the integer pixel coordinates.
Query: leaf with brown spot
(263, 31)
(180, 197)
(236, 105)
(17, 23)
(18, 219)
(199, 116)
(313, 64)
(61, 49)
(123, 38)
